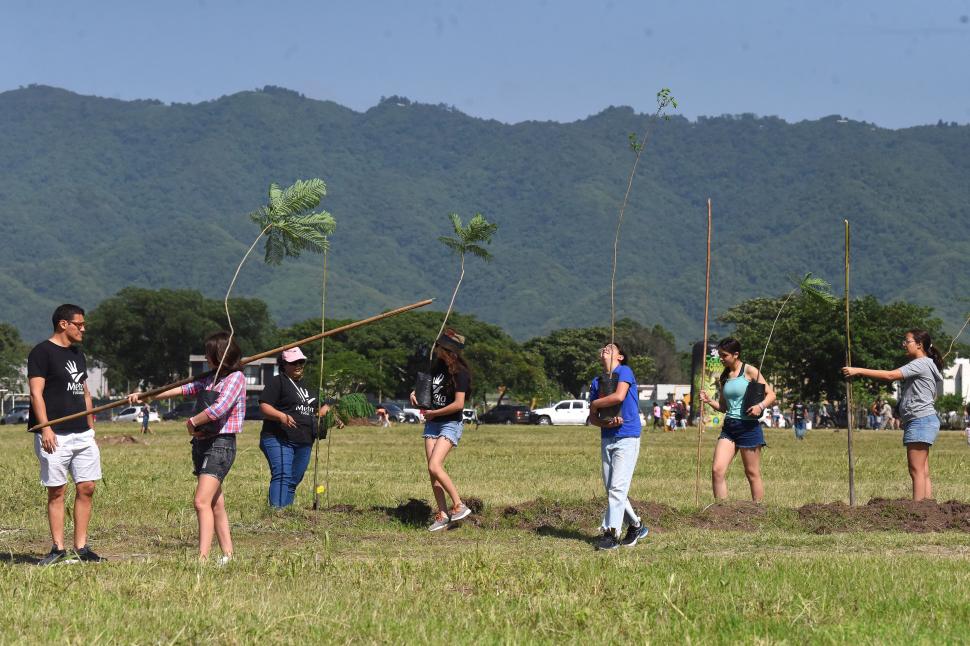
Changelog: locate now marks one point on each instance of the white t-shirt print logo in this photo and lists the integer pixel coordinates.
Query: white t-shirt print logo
(74, 384)
(437, 390)
(306, 402)
(305, 395)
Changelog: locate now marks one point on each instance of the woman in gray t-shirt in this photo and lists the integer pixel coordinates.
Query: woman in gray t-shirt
(922, 382)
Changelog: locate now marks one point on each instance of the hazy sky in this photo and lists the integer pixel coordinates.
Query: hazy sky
(893, 62)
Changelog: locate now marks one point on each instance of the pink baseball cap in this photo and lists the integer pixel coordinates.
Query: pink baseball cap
(293, 354)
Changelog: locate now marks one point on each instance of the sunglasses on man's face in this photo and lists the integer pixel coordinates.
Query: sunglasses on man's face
(298, 362)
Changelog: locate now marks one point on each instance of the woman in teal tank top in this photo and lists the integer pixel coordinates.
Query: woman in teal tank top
(741, 431)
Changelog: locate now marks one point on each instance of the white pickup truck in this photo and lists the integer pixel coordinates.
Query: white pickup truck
(568, 411)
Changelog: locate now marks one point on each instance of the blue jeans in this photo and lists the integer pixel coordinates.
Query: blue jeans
(450, 430)
(619, 460)
(922, 430)
(287, 464)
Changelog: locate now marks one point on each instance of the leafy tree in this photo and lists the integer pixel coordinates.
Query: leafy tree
(947, 403)
(386, 357)
(571, 355)
(811, 287)
(13, 356)
(145, 336)
(806, 359)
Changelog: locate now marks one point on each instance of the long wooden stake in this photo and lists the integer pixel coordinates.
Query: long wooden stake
(703, 384)
(243, 362)
(316, 440)
(848, 362)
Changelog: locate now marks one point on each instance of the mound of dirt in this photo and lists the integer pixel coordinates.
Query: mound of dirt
(119, 439)
(740, 515)
(477, 505)
(544, 514)
(881, 514)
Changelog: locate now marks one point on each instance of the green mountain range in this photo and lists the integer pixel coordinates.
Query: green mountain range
(97, 194)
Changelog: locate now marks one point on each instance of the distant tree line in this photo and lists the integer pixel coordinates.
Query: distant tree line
(145, 336)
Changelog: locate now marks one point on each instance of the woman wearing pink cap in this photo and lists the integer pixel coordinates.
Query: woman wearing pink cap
(289, 426)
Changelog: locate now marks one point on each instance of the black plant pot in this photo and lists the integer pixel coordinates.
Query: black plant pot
(422, 390)
(203, 400)
(607, 386)
(753, 395)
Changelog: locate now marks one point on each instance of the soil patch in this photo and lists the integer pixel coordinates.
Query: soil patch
(120, 439)
(741, 515)
(881, 514)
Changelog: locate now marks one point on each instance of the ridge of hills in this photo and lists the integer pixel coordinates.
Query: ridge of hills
(99, 193)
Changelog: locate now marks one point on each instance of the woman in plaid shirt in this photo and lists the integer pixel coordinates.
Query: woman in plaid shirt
(213, 430)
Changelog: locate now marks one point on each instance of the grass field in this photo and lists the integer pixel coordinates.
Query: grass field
(368, 571)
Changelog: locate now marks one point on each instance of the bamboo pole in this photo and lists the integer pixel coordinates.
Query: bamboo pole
(703, 382)
(243, 362)
(848, 362)
(316, 439)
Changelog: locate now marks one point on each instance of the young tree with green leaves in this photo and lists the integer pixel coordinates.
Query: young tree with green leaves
(290, 225)
(467, 240)
(811, 286)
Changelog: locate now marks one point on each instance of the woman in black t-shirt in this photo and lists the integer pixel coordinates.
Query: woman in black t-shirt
(450, 387)
(290, 418)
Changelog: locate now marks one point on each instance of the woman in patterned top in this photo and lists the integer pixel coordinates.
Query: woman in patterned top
(213, 430)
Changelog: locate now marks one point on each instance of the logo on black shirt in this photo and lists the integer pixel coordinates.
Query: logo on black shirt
(74, 384)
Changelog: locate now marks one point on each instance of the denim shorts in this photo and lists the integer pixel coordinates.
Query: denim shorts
(213, 456)
(745, 433)
(450, 430)
(922, 430)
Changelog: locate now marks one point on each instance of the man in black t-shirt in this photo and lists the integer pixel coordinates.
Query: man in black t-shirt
(57, 372)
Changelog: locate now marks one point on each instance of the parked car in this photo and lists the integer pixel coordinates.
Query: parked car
(568, 411)
(16, 415)
(412, 416)
(182, 410)
(506, 414)
(133, 414)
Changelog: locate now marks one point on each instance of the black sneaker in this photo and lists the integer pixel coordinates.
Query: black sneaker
(54, 556)
(87, 555)
(607, 542)
(633, 534)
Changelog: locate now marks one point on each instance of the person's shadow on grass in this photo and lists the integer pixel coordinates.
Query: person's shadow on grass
(19, 559)
(413, 513)
(565, 533)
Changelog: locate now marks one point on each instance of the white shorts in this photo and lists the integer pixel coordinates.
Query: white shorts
(75, 452)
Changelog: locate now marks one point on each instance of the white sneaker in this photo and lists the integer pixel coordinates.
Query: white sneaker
(462, 512)
(440, 522)
(224, 561)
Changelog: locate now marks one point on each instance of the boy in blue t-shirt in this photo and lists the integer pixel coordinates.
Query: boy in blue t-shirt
(619, 447)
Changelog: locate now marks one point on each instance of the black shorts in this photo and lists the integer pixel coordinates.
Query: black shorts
(214, 456)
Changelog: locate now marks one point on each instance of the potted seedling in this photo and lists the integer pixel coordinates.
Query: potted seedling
(608, 381)
(468, 239)
(290, 226)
